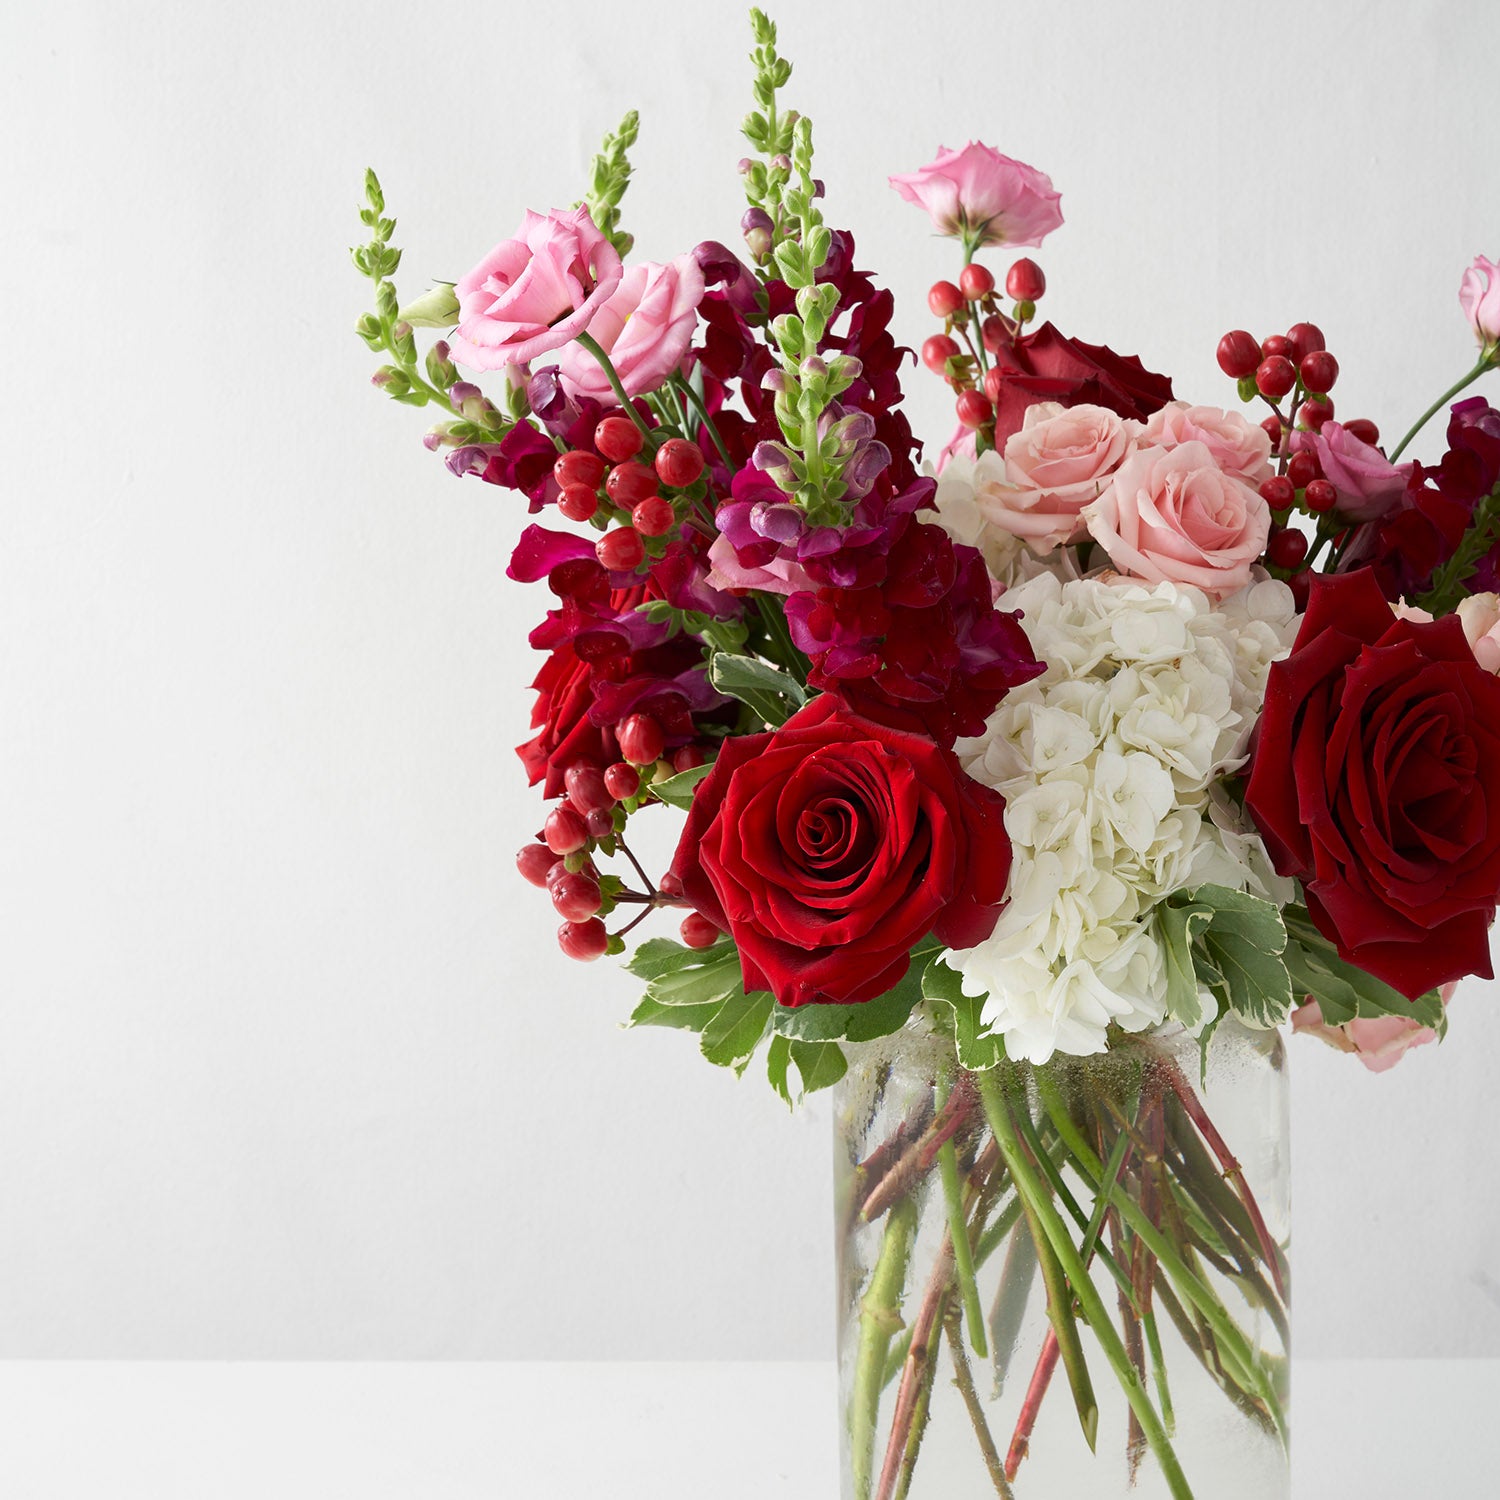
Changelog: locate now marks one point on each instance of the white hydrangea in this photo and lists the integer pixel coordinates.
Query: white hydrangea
(1111, 765)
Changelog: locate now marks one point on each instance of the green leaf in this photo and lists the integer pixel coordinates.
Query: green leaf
(977, 1048)
(820, 1064)
(856, 1023)
(773, 695)
(680, 1017)
(1238, 954)
(778, 1061)
(732, 1036)
(1177, 926)
(677, 791)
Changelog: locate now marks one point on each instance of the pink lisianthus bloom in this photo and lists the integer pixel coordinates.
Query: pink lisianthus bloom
(1170, 515)
(645, 326)
(1369, 485)
(984, 198)
(1379, 1042)
(535, 292)
(1479, 296)
(1239, 447)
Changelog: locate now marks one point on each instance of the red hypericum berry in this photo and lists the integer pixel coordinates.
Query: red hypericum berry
(1275, 376)
(622, 780)
(557, 872)
(670, 885)
(974, 409)
(585, 941)
(641, 739)
(564, 830)
(697, 931)
(1272, 429)
(621, 551)
(599, 823)
(1320, 496)
(1238, 354)
(578, 503)
(618, 439)
(1363, 429)
(937, 351)
(944, 299)
(1301, 587)
(1287, 548)
(1277, 346)
(1279, 492)
(1315, 413)
(994, 333)
(1303, 468)
(628, 484)
(586, 787)
(974, 281)
(688, 758)
(1318, 370)
(994, 383)
(678, 463)
(534, 861)
(1024, 281)
(654, 516)
(586, 469)
(1306, 338)
(576, 897)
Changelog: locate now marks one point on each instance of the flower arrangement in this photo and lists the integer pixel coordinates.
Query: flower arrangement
(1126, 717)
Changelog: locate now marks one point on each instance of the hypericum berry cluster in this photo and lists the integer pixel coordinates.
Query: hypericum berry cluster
(1292, 373)
(971, 308)
(614, 484)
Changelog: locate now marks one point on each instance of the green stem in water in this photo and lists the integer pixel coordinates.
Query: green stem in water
(613, 377)
(1039, 1204)
(958, 1229)
(964, 1380)
(879, 1320)
(1486, 362)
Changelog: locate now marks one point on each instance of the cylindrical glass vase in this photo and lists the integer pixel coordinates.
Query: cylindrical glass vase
(1065, 1280)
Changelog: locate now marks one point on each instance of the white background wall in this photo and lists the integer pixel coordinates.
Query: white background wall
(288, 1063)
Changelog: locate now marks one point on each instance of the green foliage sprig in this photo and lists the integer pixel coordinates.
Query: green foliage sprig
(608, 179)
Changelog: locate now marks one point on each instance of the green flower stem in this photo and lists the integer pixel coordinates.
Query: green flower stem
(964, 1380)
(786, 651)
(1039, 1205)
(1159, 1370)
(1009, 1308)
(879, 1320)
(697, 401)
(958, 1230)
(1193, 1288)
(589, 342)
(1486, 362)
(921, 1410)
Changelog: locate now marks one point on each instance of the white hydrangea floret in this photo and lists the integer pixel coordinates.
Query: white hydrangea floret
(1111, 763)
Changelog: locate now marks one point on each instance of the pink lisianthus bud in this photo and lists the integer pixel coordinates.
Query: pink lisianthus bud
(1479, 296)
(535, 292)
(983, 198)
(645, 327)
(1380, 1042)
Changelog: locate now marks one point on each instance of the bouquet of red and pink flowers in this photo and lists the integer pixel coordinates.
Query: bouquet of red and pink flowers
(1126, 719)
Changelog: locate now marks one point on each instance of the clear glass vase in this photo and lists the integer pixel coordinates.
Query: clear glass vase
(1067, 1280)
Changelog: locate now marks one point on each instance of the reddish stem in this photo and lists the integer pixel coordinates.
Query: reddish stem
(1232, 1170)
(1041, 1378)
(916, 1161)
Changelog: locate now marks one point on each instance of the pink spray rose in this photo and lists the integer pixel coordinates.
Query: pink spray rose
(1058, 462)
(1380, 1042)
(1369, 485)
(534, 292)
(1479, 296)
(984, 198)
(1479, 614)
(645, 327)
(1239, 447)
(1170, 515)
(779, 576)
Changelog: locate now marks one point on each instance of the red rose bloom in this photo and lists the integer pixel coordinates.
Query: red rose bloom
(1049, 366)
(1376, 782)
(829, 847)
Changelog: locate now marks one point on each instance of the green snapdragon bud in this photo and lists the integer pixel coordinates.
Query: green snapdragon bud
(435, 308)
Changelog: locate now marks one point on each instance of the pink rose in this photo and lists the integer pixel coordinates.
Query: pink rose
(535, 292)
(1479, 296)
(1239, 447)
(1170, 515)
(1479, 614)
(779, 576)
(1369, 485)
(1380, 1042)
(1058, 462)
(984, 198)
(645, 327)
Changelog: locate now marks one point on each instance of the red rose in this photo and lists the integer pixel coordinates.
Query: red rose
(1049, 366)
(1376, 782)
(828, 848)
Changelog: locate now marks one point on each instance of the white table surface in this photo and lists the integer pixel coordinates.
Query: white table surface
(1365, 1430)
